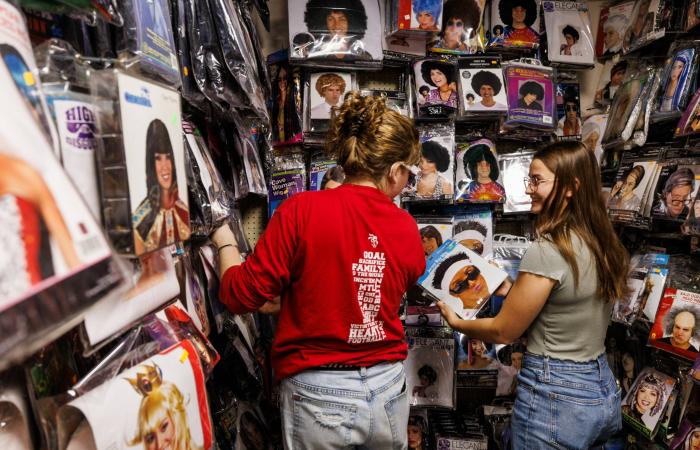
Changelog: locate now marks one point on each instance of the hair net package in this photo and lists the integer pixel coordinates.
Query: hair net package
(436, 87)
(627, 106)
(288, 178)
(461, 278)
(592, 134)
(170, 384)
(477, 176)
(569, 37)
(679, 311)
(474, 230)
(569, 125)
(461, 31)
(335, 32)
(430, 368)
(433, 179)
(286, 119)
(141, 160)
(612, 26)
(644, 405)
(677, 187)
(149, 34)
(325, 173)
(421, 310)
(689, 122)
(483, 91)
(677, 81)
(515, 168)
(611, 79)
(515, 24)
(324, 95)
(646, 24)
(530, 96)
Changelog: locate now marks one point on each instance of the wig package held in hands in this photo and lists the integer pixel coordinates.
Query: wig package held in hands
(530, 95)
(433, 179)
(483, 91)
(477, 175)
(515, 24)
(569, 37)
(141, 161)
(335, 33)
(149, 36)
(437, 93)
(56, 262)
(288, 178)
(461, 32)
(430, 367)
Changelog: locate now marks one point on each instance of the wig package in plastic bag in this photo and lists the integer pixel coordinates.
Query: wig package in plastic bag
(646, 24)
(641, 413)
(149, 35)
(592, 134)
(474, 230)
(433, 179)
(461, 32)
(692, 222)
(508, 251)
(569, 37)
(515, 24)
(324, 95)
(569, 124)
(436, 87)
(530, 95)
(251, 179)
(477, 175)
(678, 80)
(678, 185)
(288, 178)
(192, 296)
(189, 89)
(612, 26)
(689, 122)
(324, 172)
(15, 432)
(611, 79)
(87, 11)
(515, 168)
(286, 119)
(629, 102)
(417, 19)
(335, 32)
(483, 91)
(430, 368)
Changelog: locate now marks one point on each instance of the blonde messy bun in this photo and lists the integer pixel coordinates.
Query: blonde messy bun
(368, 137)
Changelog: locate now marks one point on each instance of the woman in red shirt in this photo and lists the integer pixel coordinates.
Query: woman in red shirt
(341, 259)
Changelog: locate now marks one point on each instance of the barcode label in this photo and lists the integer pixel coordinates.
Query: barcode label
(546, 119)
(90, 246)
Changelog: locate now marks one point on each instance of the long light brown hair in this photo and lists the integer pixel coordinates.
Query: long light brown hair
(576, 171)
(368, 138)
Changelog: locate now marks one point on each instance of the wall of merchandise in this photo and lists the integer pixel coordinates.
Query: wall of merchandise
(134, 128)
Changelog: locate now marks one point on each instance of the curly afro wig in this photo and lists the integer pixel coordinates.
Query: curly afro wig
(443, 66)
(436, 154)
(505, 11)
(318, 10)
(484, 77)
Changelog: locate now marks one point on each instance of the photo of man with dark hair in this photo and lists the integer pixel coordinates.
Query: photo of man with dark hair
(617, 76)
(519, 16)
(457, 276)
(570, 122)
(531, 95)
(487, 85)
(461, 20)
(570, 46)
(481, 166)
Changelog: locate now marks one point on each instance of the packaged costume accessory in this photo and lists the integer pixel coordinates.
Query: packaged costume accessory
(323, 170)
(514, 167)
(288, 178)
(286, 119)
(483, 91)
(678, 80)
(433, 179)
(569, 38)
(675, 328)
(474, 230)
(530, 95)
(569, 125)
(629, 103)
(324, 94)
(646, 25)
(612, 27)
(515, 24)
(643, 411)
(461, 32)
(430, 367)
(689, 123)
(436, 87)
(478, 178)
(611, 79)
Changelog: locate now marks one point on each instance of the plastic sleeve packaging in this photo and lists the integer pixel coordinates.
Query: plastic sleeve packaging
(323, 169)
(324, 92)
(470, 188)
(482, 90)
(251, 179)
(263, 72)
(87, 11)
(288, 178)
(430, 368)
(678, 79)
(627, 105)
(139, 384)
(316, 39)
(14, 414)
(436, 88)
(530, 95)
(428, 183)
(57, 262)
(192, 295)
(646, 25)
(689, 122)
(465, 39)
(286, 108)
(569, 37)
(647, 422)
(514, 169)
(190, 91)
(149, 35)
(504, 32)
(691, 225)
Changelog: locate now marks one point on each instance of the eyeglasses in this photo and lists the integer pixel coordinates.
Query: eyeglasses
(572, 108)
(675, 201)
(455, 23)
(533, 183)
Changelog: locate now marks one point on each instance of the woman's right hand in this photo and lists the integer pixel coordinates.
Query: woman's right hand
(448, 313)
(223, 235)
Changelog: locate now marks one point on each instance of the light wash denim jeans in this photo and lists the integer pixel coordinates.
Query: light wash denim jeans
(565, 404)
(346, 409)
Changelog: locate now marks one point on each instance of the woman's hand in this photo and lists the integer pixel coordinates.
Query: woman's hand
(272, 307)
(223, 235)
(447, 312)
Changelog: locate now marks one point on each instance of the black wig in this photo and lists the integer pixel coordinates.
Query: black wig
(484, 77)
(443, 66)
(572, 31)
(436, 154)
(532, 87)
(318, 10)
(505, 11)
(466, 10)
(476, 154)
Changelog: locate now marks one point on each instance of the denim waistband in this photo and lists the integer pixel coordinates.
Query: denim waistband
(541, 362)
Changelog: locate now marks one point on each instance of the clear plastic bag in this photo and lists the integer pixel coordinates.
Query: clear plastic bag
(569, 37)
(461, 32)
(678, 80)
(515, 29)
(436, 88)
(433, 178)
(471, 186)
(531, 101)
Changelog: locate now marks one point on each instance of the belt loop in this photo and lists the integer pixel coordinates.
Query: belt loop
(546, 369)
(363, 372)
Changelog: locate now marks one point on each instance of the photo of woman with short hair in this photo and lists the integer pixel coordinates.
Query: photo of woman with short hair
(570, 46)
(435, 160)
(426, 14)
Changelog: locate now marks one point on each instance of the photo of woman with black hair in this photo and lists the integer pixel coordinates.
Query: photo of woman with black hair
(161, 218)
(286, 120)
(674, 85)
(441, 76)
(428, 377)
(461, 20)
(334, 29)
(570, 46)
(519, 16)
(426, 14)
(627, 198)
(481, 165)
(435, 159)
(531, 95)
(488, 85)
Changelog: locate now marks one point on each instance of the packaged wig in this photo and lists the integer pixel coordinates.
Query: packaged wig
(482, 88)
(461, 32)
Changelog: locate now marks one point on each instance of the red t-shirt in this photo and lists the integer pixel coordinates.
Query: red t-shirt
(341, 259)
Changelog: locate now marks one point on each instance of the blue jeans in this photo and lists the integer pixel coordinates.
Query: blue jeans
(565, 404)
(338, 409)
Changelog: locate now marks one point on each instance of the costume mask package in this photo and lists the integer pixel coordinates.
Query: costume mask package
(141, 162)
(166, 391)
(692, 223)
(633, 181)
(677, 187)
(477, 175)
(530, 96)
(335, 33)
(434, 176)
(56, 261)
(325, 173)
(460, 278)
(286, 108)
(569, 37)
(689, 123)
(515, 24)
(430, 368)
(612, 26)
(288, 178)
(677, 81)
(483, 90)
(436, 87)
(474, 230)
(569, 124)
(627, 106)
(644, 405)
(676, 328)
(514, 169)
(461, 32)
(149, 35)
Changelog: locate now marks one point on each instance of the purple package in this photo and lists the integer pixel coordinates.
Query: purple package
(530, 96)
